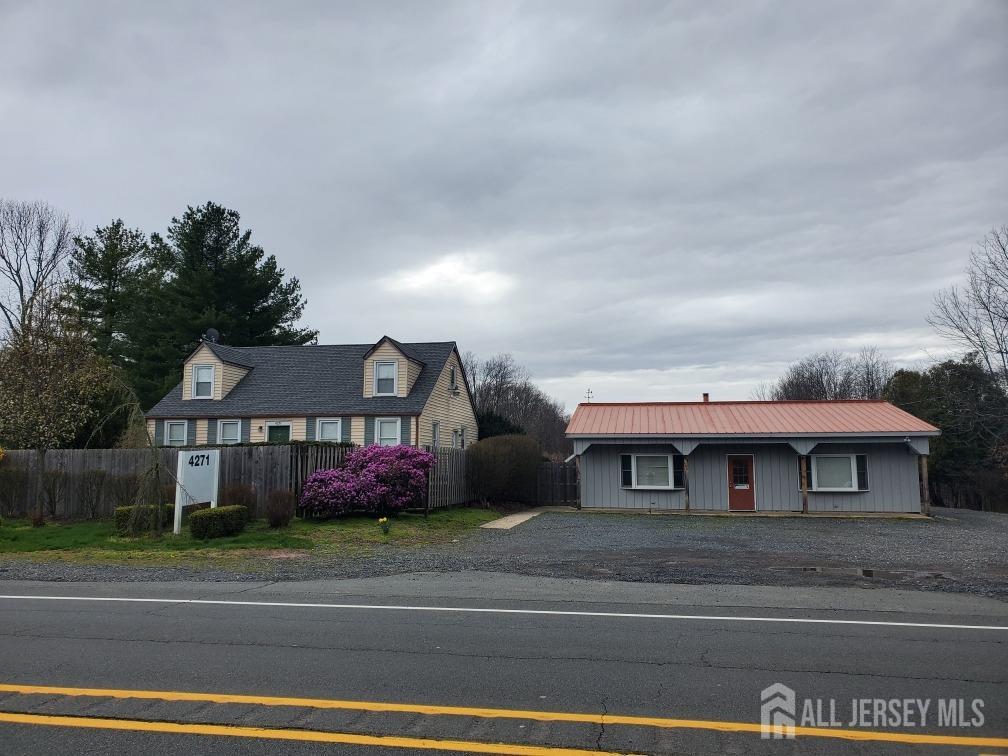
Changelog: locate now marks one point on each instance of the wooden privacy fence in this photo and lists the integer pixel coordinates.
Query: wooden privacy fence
(448, 484)
(557, 483)
(72, 490)
(78, 484)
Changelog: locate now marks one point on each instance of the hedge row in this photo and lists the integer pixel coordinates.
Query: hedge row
(217, 522)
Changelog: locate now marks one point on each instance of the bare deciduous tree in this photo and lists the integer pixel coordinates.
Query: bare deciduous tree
(501, 386)
(35, 243)
(832, 375)
(976, 313)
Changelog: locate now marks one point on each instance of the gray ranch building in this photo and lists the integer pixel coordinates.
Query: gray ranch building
(836, 456)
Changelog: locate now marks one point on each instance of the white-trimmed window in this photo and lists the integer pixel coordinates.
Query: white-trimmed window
(455, 439)
(228, 432)
(176, 432)
(278, 431)
(652, 471)
(462, 439)
(838, 472)
(435, 434)
(329, 429)
(202, 381)
(388, 431)
(386, 378)
(452, 378)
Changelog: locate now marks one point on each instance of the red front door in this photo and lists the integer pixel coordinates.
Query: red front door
(741, 483)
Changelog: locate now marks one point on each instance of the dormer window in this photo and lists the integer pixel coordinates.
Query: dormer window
(203, 382)
(386, 378)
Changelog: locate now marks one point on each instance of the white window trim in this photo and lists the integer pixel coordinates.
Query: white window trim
(339, 426)
(452, 377)
(633, 474)
(276, 424)
(462, 438)
(852, 458)
(377, 425)
(213, 381)
(220, 435)
(395, 378)
(436, 433)
(185, 432)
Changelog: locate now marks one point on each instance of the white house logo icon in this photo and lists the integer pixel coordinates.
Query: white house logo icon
(777, 712)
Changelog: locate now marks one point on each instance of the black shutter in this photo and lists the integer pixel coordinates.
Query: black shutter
(626, 471)
(862, 472)
(678, 473)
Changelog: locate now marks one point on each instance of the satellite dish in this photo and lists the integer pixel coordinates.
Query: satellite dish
(212, 335)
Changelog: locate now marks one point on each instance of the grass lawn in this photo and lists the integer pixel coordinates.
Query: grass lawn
(351, 536)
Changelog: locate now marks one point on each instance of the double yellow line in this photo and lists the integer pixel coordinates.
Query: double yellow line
(423, 709)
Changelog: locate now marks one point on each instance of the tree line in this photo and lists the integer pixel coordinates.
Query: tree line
(966, 396)
(95, 326)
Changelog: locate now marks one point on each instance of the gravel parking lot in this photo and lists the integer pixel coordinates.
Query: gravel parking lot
(957, 551)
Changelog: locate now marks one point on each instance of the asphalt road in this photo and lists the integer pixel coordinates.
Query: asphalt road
(580, 650)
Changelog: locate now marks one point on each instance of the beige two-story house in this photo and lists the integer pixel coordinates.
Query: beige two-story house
(385, 393)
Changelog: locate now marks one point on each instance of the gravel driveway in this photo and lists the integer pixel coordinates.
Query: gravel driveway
(957, 551)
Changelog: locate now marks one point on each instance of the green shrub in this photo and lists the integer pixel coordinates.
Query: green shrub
(280, 508)
(504, 468)
(217, 522)
(142, 518)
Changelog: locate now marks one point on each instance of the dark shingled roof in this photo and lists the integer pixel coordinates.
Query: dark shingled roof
(308, 380)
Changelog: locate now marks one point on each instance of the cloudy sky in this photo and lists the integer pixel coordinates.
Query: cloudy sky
(649, 199)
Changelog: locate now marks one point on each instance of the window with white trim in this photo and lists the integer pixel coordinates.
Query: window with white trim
(462, 439)
(455, 437)
(329, 429)
(452, 378)
(652, 471)
(386, 378)
(203, 382)
(388, 431)
(837, 473)
(228, 432)
(435, 434)
(176, 432)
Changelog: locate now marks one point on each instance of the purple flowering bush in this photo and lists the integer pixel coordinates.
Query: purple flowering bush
(378, 479)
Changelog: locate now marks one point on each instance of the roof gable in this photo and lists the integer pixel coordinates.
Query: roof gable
(404, 349)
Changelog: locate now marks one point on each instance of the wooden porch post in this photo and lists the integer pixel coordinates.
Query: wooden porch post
(803, 464)
(925, 488)
(685, 475)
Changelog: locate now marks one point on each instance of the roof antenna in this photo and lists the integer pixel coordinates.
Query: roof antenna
(588, 396)
(212, 335)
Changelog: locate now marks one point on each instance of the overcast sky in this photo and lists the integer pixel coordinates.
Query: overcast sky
(648, 199)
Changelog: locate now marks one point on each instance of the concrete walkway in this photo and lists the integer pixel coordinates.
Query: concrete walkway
(508, 522)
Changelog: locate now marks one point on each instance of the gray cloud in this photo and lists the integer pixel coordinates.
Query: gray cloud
(653, 199)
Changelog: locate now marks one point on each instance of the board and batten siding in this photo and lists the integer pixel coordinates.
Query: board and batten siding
(892, 473)
(226, 376)
(600, 480)
(388, 353)
(453, 412)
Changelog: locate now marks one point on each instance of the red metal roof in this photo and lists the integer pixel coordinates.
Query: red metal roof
(744, 418)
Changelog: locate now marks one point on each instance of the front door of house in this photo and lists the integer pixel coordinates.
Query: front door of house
(741, 483)
(278, 434)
